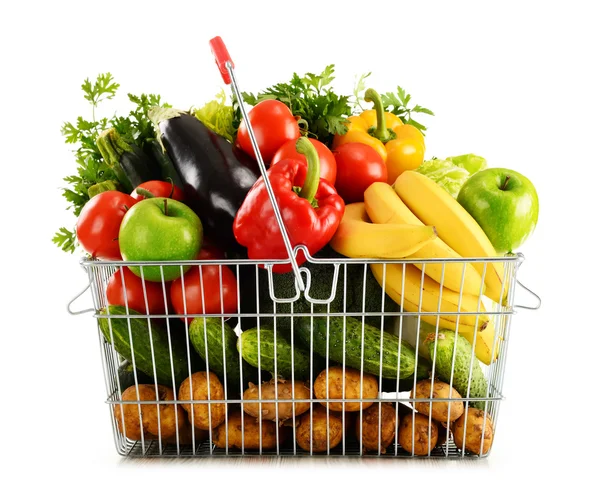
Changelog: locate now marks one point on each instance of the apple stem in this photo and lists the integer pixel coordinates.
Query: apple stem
(166, 213)
(125, 207)
(503, 187)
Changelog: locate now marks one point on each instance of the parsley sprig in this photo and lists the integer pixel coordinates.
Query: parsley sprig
(312, 98)
(91, 168)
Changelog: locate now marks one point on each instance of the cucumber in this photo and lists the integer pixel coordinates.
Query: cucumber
(142, 349)
(126, 376)
(406, 384)
(247, 345)
(446, 342)
(371, 355)
(320, 288)
(216, 339)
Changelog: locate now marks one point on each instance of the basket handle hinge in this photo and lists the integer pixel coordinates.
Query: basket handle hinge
(81, 293)
(532, 308)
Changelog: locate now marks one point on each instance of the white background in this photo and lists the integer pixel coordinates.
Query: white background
(515, 82)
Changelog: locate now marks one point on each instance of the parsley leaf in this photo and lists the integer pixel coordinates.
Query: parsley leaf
(104, 86)
(65, 239)
(398, 102)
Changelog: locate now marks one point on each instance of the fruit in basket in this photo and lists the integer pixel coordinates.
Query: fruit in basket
(275, 353)
(439, 410)
(379, 356)
(359, 166)
(128, 416)
(505, 205)
(384, 206)
(335, 382)
(412, 289)
(416, 434)
(471, 431)
(200, 387)
(99, 221)
(455, 352)
(216, 293)
(273, 124)
(378, 426)
(276, 390)
(157, 188)
(434, 206)
(256, 435)
(215, 342)
(160, 229)
(310, 208)
(215, 175)
(327, 162)
(151, 345)
(357, 237)
(318, 431)
(125, 288)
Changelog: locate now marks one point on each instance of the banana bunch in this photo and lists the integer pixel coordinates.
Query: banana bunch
(418, 219)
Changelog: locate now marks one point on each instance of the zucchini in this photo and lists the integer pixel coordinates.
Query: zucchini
(216, 340)
(126, 376)
(320, 288)
(247, 345)
(142, 341)
(371, 354)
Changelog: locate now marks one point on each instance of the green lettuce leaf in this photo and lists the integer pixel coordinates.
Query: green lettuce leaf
(218, 116)
(445, 173)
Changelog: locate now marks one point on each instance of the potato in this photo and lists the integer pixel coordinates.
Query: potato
(351, 381)
(252, 433)
(284, 392)
(475, 431)
(439, 410)
(318, 436)
(150, 413)
(423, 444)
(185, 435)
(370, 427)
(200, 385)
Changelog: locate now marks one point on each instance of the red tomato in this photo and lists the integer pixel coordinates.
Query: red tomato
(273, 124)
(327, 164)
(134, 293)
(212, 291)
(159, 189)
(358, 166)
(210, 251)
(99, 221)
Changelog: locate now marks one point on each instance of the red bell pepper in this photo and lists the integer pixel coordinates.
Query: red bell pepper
(310, 207)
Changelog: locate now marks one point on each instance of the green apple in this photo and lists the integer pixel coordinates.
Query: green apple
(160, 229)
(505, 205)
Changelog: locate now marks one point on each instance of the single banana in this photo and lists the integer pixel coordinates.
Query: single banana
(435, 206)
(357, 237)
(429, 296)
(484, 341)
(384, 206)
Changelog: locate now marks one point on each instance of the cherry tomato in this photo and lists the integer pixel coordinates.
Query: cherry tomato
(358, 167)
(99, 221)
(273, 124)
(134, 292)
(211, 288)
(327, 164)
(159, 189)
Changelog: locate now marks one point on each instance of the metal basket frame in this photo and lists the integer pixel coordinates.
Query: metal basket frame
(99, 272)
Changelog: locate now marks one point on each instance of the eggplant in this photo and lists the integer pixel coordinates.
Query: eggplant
(216, 177)
(128, 161)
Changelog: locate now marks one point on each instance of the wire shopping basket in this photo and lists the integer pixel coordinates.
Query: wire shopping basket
(349, 357)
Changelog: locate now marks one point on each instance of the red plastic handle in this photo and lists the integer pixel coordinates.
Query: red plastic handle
(217, 46)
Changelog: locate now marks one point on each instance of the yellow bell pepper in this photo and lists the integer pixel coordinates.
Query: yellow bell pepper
(401, 146)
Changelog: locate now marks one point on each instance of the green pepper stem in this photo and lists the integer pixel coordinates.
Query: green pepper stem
(313, 172)
(381, 132)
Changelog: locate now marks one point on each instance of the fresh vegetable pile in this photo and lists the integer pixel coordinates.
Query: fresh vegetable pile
(161, 184)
